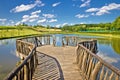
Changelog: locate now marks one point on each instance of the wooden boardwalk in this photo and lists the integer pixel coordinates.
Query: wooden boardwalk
(61, 63)
(56, 63)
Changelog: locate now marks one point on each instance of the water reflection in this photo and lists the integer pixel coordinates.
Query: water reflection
(115, 43)
(109, 50)
(8, 57)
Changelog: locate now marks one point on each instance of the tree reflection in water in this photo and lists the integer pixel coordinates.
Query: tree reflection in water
(115, 43)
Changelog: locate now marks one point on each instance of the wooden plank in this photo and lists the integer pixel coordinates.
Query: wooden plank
(57, 63)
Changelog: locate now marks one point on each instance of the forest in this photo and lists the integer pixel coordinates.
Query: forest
(113, 26)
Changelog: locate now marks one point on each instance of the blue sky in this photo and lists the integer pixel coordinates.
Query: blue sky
(58, 12)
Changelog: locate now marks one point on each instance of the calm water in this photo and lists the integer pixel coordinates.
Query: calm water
(8, 57)
(109, 50)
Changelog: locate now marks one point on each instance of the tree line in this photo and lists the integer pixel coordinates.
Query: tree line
(114, 26)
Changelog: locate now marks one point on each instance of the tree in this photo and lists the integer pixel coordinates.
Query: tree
(48, 26)
(116, 24)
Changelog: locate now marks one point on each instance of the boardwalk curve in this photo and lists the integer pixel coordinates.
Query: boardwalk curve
(66, 58)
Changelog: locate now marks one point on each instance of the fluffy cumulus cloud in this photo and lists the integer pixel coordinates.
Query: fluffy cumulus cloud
(92, 10)
(27, 7)
(34, 16)
(41, 21)
(104, 9)
(49, 15)
(52, 20)
(36, 12)
(85, 3)
(81, 16)
(56, 4)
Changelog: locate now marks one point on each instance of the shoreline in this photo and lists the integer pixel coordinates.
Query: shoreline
(78, 33)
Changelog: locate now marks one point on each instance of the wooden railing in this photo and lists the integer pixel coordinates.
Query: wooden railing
(91, 45)
(26, 69)
(69, 41)
(24, 47)
(39, 40)
(92, 67)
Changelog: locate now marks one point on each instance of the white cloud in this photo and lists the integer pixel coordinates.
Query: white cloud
(82, 23)
(3, 21)
(104, 9)
(92, 14)
(41, 21)
(22, 8)
(108, 58)
(31, 18)
(25, 16)
(92, 10)
(27, 7)
(52, 20)
(34, 16)
(19, 22)
(56, 4)
(36, 12)
(101, 12)
(86, 3)
(64, 24)
(49, 15)
(81, 16)
(58, 25)
(11, 22)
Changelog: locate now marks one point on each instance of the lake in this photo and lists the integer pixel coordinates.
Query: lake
(8, 58)
(108, 49)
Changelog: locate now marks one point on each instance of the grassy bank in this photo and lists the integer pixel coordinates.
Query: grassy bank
(12, 32)
(112, 34)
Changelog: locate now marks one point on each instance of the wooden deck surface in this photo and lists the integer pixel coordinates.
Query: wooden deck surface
(56, 63)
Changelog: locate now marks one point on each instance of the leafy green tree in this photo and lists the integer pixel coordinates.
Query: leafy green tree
(116, 24)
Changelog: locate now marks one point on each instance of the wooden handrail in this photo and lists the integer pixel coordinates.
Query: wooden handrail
(93, 67)
(25, 70)
(91, 45)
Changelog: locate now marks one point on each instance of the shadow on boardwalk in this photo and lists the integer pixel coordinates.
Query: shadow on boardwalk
(48, 68)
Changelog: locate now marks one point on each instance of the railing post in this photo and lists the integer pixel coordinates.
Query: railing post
(94, 46)
(26, 73)
(36, 43)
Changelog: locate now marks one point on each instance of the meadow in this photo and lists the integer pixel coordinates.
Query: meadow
(15, 31)
(12, 32)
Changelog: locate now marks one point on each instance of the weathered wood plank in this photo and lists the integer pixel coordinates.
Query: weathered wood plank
(48, 69)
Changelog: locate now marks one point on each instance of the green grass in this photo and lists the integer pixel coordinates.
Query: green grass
(11, 32)
(16, 33)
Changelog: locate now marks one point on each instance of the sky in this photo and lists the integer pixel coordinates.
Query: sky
(58, 12)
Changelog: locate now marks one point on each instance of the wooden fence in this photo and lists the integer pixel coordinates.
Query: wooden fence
(92, 67)
(26, 69)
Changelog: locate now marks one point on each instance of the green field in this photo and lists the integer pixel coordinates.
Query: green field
(12, 32)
